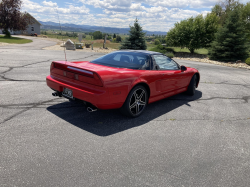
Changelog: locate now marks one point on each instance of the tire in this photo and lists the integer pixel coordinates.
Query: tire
(74, 100)
(192, 86)
(136, 102)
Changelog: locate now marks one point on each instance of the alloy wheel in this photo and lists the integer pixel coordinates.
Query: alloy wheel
(137, 101)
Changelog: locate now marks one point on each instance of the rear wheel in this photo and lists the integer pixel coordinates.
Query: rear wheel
(136, 102)
(192, 86)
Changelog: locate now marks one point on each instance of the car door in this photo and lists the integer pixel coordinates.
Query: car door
(170, 74)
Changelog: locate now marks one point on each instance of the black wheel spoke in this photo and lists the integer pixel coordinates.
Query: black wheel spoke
(142, 94)
(142, 103)
(133, 105)
(137, 109)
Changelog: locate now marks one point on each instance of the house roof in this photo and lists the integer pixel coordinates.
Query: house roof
(33, 18)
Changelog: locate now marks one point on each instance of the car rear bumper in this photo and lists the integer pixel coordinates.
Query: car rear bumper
(91, 94)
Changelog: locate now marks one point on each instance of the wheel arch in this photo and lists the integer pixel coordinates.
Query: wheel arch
(144, 85)
(198, 79)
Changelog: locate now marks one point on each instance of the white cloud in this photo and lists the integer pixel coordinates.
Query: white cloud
(113, 4)
(33, 7)
(49, 3)
(153, 15)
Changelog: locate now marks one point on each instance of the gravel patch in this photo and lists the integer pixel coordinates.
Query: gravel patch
(3, 44)
(97, 50)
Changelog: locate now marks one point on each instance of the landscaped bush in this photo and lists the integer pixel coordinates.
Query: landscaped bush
(157, 42)
(248, 61)
(170, 55)
(162, 49)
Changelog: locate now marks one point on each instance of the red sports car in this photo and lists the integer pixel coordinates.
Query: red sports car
(128, 80)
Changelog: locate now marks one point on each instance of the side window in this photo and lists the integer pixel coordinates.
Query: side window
(143, 61)
(165, 63)
(117, 57)
(32, 28)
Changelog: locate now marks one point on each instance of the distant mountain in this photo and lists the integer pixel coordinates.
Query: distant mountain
(87, 28)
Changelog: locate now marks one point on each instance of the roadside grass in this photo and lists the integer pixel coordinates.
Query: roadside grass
(202, 51)
(14, 40)
(150, 46)
(108, 45)
(163, 49)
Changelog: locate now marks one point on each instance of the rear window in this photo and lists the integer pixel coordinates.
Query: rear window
(123, 59)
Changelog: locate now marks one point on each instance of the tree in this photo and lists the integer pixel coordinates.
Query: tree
(193, 33)
(210, 28)
(114, 36)
(223, 9)
(74, 34)
(97, 35)
(157, 42)
(11, 17)
(118, 38)
(136, 38)
(230, 40)
(246, 18)
(103, 35)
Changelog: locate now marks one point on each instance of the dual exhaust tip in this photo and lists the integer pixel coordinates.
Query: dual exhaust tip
(89, 109)
(55, 94)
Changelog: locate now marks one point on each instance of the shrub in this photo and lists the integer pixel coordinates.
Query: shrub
(157, 42)
(97, 35)
(248, 61)
(170, 55)
(162, 49)
(118, 39)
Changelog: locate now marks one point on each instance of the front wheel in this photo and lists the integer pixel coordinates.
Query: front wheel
(136, 102)
(192, 86)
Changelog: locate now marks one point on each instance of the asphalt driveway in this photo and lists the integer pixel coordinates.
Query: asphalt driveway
(202, 140)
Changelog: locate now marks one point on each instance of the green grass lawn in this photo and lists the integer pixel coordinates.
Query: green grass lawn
(14, 40)
(110, 45)
(202, 51)
(150, 46)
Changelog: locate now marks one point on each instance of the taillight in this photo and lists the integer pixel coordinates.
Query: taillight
(51, 66)
(76, 73)
(81, 71)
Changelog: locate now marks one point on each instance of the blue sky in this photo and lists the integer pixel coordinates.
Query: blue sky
(153, 15)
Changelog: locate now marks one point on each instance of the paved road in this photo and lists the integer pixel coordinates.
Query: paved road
(202, 140)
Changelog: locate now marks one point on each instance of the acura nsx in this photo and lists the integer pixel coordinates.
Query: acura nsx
(126, 79)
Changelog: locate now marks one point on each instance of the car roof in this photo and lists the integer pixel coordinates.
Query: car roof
(141, 51)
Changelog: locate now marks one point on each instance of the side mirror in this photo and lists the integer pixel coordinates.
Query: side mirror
(183, 68)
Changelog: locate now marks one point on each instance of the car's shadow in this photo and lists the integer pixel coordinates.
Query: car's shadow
(108, 122)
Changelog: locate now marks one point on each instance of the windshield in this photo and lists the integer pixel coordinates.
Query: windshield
(124, 59)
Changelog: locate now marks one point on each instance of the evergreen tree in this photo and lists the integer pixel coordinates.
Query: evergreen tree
(136, 39)
(230, 41)
(118, 38)
(114, 36)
